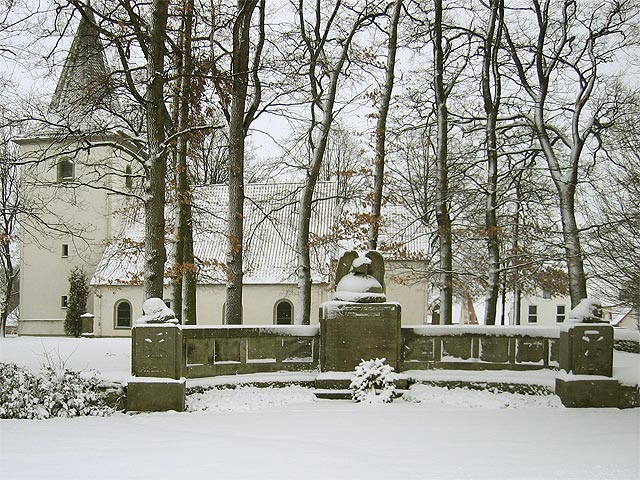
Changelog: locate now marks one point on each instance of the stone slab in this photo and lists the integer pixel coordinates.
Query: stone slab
(151, 394)
(156, 351)
(589, 392)
(351, 332)
(587, 349)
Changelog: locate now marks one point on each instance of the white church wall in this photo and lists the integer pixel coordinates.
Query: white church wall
(258, 305)
(47, 254)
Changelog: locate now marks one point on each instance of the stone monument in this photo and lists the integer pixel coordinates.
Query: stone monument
(586, 359)
(359, 324)
(157, 383)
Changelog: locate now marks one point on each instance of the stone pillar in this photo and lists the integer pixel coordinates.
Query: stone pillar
(156, 365)
(586, 358)
(352, 332)
(87, 324)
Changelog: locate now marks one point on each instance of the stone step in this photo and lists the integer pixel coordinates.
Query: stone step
(344, 394)
(342, 380)
(332, 394)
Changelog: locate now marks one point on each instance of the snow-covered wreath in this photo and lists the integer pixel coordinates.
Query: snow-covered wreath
(373, 382)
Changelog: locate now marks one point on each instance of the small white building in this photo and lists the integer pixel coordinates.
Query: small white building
(543, 309)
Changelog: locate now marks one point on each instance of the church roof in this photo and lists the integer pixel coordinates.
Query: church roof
(270, 237)
(84, 84)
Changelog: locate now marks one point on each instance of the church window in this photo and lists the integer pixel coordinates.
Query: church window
(283, 313)
(65, 250)
(123, 314)
(64, 301)
(66, 170)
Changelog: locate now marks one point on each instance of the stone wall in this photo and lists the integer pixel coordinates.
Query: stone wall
(229, 350)
(479, 348)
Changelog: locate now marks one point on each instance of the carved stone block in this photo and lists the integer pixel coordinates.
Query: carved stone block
(352, 332)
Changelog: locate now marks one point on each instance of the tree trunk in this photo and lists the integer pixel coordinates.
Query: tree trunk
(566, 186)
(185, 287)
(381, 129)
(9, 279)
(442, 176)
(573, 249)
(235, 160)
(155, 169)
(303, 309)
(318, 144)
(491, 95)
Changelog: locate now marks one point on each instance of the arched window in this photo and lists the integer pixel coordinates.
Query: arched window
(283, 313)
(66, 170)
(123, 314)
(128, 177)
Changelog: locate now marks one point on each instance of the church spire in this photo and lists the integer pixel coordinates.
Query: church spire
(84, 82)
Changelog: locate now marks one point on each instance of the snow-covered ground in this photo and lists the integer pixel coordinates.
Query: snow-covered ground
(251, 433)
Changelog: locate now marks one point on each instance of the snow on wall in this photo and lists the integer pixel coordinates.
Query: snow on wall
(497, 331)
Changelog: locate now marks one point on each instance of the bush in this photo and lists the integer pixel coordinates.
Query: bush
(77, 303)
(373, 382)
(49, 393)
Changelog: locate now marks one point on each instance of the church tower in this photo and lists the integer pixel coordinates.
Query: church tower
(72, 182)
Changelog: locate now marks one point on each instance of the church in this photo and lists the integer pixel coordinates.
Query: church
(86, 197)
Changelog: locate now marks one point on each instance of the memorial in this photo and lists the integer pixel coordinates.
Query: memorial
(158, 383)
(586, 360)
(359, 324)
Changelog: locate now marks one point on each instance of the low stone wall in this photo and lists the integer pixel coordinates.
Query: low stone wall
(473, 347)
(229, 350)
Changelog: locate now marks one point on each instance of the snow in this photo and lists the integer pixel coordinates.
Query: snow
(455, 435)
(542, 377)
(269, 433)
(282, 330)
(111, 357)
(491, 330)
(626, 334)
(467, 398)
(155, 312)
(587, 308)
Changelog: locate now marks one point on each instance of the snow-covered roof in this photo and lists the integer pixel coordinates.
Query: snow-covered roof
(269, 229)
(621, 316)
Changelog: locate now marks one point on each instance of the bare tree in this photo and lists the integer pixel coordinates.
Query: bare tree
(491, 93)
(184, 291)
(381, 127)
(559, 71)
(240, 110)
(8, 222)
(323, 71)
(156, 166)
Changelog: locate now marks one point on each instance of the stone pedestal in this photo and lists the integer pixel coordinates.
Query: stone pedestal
(87, 324)
(352, 332)
(587, 349)
(156, 364)
(586, 356)
(156, 351)
(584, 391)
(151, 394)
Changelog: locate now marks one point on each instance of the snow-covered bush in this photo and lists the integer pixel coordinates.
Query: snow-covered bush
(49, 393)
(373, 382)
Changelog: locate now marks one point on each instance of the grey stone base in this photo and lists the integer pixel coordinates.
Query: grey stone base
(156, 394)
(587, 391)
(352, 332)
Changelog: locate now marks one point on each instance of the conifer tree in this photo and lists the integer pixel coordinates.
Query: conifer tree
(77, 304)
